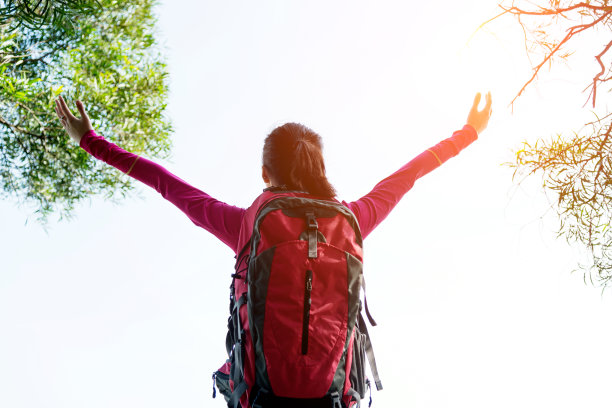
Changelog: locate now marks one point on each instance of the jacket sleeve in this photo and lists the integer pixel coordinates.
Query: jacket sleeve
(219, 218)
(374, 207)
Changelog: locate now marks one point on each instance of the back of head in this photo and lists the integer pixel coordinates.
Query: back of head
(293, 156)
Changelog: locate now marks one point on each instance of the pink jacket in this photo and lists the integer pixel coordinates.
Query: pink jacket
(224, 220)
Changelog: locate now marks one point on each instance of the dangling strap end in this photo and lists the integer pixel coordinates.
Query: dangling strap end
(370, 318)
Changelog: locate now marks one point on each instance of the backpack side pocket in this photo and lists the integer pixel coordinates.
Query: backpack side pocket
(222, 381)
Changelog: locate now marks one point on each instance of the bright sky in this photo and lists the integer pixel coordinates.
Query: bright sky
(126, 305)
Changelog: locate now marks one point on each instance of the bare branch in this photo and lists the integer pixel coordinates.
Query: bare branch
(602, 13)
(597, 77)
(537, 69)
(558, 11)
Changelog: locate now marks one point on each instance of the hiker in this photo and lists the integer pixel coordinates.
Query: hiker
(293, 171)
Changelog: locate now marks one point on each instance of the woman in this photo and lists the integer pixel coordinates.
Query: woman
(292, 160)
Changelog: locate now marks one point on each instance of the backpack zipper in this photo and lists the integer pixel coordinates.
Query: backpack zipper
(306, 320)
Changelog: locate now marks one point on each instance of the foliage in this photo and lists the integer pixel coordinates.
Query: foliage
(579, 172)
(578, 168)
(109, 60)
(37, 13)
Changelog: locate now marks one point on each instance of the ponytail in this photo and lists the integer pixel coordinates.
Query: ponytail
(293, 156)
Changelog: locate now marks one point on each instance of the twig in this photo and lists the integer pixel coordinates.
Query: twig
(19, 128)
(541, 64)
(600, 73)
(600, 151)
(570, 33)
(547, 11)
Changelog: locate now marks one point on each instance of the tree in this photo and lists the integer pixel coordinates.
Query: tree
(577, 168)
(102, 52)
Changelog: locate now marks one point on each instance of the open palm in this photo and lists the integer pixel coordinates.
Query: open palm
(76, 127)
(479, 119)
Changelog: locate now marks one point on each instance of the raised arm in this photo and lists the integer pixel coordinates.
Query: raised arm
(374, 207)
(219, 218)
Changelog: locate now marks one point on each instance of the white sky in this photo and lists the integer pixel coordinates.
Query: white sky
(126, 305)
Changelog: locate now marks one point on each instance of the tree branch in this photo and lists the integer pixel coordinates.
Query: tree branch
(537, 69)
(597, 77)
(601, 146)
(570, 33)
(19, 129)
(45, 55)
(557, 11)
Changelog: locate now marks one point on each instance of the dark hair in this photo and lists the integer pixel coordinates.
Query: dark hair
(293, 156)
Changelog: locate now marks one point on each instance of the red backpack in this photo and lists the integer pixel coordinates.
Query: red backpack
(296, 335)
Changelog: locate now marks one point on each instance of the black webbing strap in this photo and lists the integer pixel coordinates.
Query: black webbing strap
(312, 227)
(370, 353)
(240, 386)
(241, 301)
(242, 259)
(365, 300)
(237, 352)
(239, 389)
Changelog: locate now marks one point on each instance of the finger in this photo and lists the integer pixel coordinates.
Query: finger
(58, 111)
(81, 109)
(476, 102)
(65, 109)
(67, 112)
(59, 108)
(488, 102)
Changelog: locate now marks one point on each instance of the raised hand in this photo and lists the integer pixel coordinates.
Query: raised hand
(76, 127)
(479, 119)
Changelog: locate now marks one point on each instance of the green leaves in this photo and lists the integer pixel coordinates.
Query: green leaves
(111, 63)
(35, 14)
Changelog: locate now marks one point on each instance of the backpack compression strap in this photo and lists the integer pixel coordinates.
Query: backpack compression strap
(365, 300)
(237, 368)
(370, 353)
(369, 349)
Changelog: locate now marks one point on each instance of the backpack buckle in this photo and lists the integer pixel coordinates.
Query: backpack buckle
(336, 401)
(311, 222)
